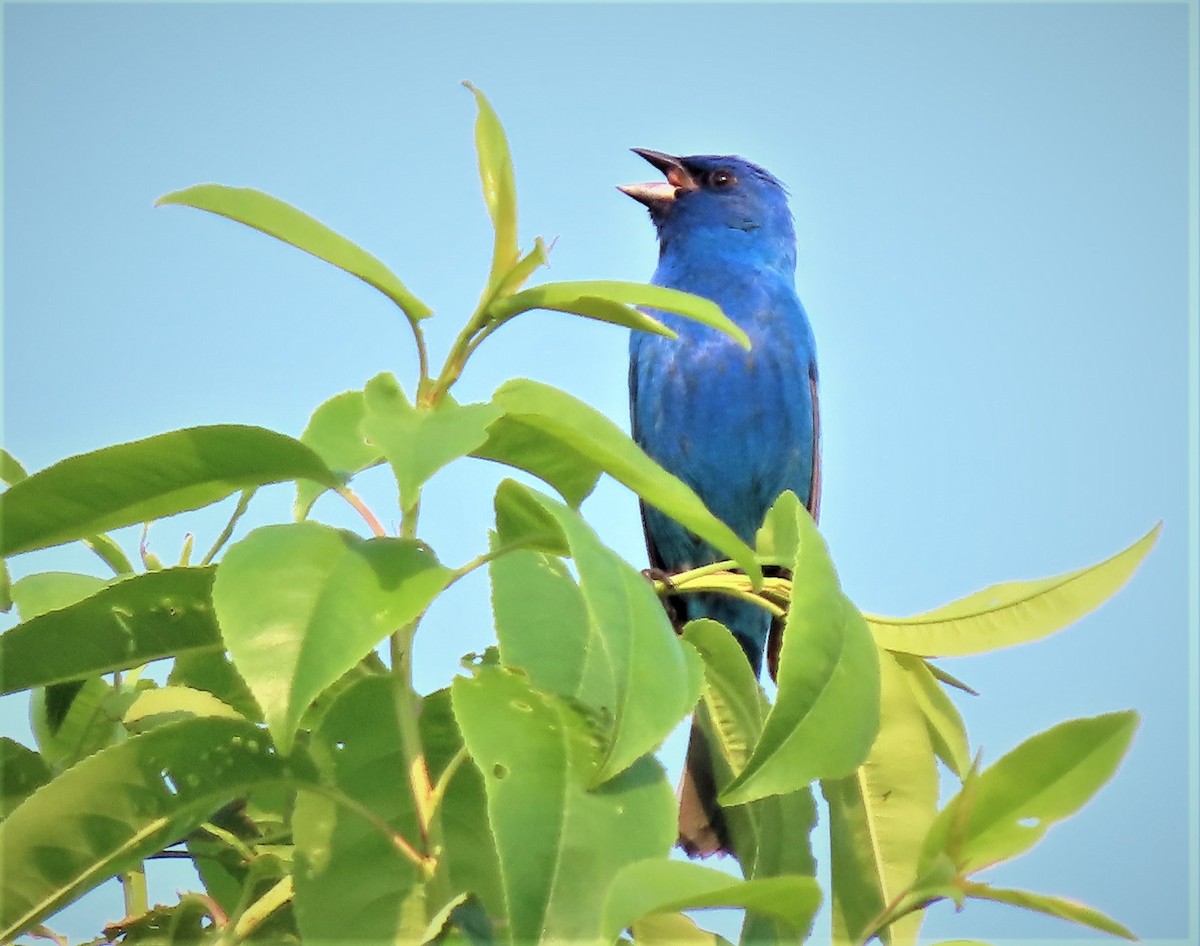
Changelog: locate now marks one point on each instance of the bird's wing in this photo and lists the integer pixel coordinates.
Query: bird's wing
(775, 640)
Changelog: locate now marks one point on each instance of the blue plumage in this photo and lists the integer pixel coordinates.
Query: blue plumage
(738, 427)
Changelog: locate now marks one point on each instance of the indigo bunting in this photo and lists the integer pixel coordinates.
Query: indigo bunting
(739, 427)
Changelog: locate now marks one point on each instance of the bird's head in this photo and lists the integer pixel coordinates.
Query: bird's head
(718, 200)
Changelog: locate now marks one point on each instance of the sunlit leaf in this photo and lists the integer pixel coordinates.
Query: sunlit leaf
(826, 713)
(592, 435)
(878, 816)
(171, 704)
(1022, 795)
(673, 929)
(770, 836)
(148, 479)
(632, 669)
(418, 442)
(128, 623)
(333, 435)
(10, 470)
(658, 886)
(947, 731)
(542, 622)
(113, 809)
(284, 222)
(1013, 612)
(1051, 906)
(299, 605)
(42, 592)
(554, 835)
(570, 296)
(499, 186)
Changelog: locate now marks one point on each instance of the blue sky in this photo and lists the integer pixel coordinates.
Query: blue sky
(991, 208)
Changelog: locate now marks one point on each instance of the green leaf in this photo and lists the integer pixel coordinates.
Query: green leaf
(778, 539)
(1042, 781)
(284, 222)
(521, 520)
(351, 881)
(568, 297)
(596, 438)
(879, 815)
(170, 704)
(299, 605)
(554, 460)
(947, 731)
(770, 836)
(538, 755)
(10, 470)
(148, 479)
(525, 267)
(632, 669)
(333, 435)
(469, 857)
(71, 721)
(1011, 613)
(542, 620)
(42, 592)
(499, 187)
(590, 294)
(662, 886)
(418, 442)
(22, 771)
(826, 713)
(126, 624)
(115, 808)
(212, 672)
(1051, 906)
(673, 929)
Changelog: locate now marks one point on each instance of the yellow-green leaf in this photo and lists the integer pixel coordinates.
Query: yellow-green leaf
(1011, 613)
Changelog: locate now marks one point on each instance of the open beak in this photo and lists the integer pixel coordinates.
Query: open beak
(660, 193)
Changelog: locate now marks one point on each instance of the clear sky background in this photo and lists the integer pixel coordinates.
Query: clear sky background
(991, 209)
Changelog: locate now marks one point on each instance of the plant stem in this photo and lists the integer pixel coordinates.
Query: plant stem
(408, 707)
(134, 885)
(363, 510)
(242, 504)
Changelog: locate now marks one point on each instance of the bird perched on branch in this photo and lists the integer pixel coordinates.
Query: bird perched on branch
(739, 427)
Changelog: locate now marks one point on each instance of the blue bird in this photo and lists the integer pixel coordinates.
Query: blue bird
(739, 427)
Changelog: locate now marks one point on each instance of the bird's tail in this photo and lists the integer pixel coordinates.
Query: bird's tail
(702, 827)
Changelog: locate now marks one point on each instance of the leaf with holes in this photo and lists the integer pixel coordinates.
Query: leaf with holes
(878, 816)
(539, 756)
(126, 624)
(1017, 799)
(120, 805)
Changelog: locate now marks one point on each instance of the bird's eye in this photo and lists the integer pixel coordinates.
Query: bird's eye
(721, 178)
